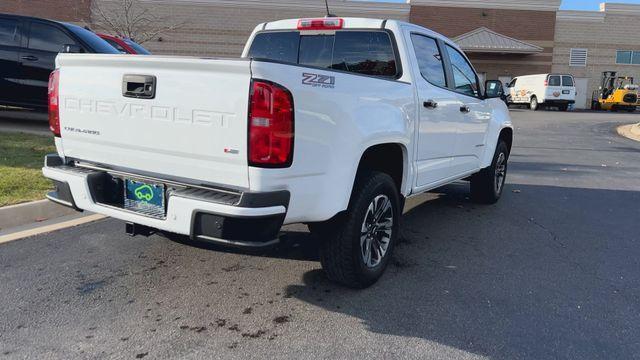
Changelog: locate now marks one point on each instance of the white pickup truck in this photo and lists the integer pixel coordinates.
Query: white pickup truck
(331, 122)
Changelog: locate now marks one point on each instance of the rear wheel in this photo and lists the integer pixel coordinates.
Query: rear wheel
(533, 103)
(487, 185)
(356, 248)
(563, 107)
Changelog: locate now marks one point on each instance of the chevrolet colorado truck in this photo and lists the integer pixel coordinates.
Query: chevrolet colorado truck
(330, 122)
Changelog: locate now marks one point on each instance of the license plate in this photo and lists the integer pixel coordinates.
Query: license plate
(145, 198)
(566, 92)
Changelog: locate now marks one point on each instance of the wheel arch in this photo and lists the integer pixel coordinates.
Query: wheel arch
(506, 134)
(390, 158)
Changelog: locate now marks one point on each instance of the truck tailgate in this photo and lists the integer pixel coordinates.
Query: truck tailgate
(181, 117)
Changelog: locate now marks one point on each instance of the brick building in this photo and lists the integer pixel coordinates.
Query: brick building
(504, 38)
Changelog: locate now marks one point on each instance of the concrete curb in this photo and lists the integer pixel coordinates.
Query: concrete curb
(22, 214)
(62, 224)
(630, 131)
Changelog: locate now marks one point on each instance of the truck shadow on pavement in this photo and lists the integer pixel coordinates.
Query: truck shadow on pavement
(548, 272)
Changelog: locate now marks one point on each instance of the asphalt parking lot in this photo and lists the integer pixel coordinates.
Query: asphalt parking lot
(552, 271)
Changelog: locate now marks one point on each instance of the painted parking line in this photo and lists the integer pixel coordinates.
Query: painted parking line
(49, 228)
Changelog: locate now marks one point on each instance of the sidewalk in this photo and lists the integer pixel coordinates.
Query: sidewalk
(631, 131)
(32, 212)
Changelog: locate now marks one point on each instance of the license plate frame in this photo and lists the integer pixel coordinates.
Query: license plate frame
(566, 92)
(144, 197)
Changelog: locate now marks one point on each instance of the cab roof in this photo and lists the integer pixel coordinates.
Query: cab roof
(348, 23)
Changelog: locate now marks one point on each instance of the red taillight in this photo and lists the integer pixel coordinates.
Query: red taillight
(54, 106)
(270, 125)
(546, 83)
(320, 24)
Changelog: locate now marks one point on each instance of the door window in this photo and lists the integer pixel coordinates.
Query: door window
(429, 59)
(9, 32)
(464, 77)
(46, 37)
(554, 80)
(567, 81)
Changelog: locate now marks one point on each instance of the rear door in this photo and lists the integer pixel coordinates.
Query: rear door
(560, 87)
(45, 41)
(10, 42)
(439, 111)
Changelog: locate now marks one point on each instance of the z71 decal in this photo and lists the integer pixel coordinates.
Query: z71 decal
(317, 80)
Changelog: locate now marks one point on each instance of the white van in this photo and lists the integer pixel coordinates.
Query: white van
(557, 90)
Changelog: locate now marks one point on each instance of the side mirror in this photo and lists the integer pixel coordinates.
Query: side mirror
(493, 89)
(71, 49)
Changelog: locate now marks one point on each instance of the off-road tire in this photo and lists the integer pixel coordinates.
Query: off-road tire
(484, 185)
(340, 250)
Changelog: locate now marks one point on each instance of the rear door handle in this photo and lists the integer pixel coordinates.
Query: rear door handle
(29, 58)
(464, 109)
(430, 104)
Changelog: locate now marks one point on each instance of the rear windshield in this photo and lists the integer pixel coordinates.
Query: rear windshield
(362, 52)
(567, 81)
(554, 80)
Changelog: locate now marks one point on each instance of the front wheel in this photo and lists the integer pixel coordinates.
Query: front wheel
(356, 248)
(488, 184)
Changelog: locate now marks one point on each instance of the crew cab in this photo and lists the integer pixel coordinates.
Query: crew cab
(330, 122)
(28, 49)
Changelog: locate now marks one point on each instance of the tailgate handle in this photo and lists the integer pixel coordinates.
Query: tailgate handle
(139, 86)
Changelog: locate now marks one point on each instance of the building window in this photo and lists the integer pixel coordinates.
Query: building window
(628, 57)
(578, 57)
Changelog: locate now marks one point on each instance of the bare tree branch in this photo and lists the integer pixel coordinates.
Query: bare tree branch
(132, 19)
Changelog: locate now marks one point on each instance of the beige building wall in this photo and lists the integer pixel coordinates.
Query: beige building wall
(615, 27)
(220, 28)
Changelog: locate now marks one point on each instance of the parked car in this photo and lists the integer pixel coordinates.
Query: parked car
(543, 90)
(28, 48)
(125, 46)
(334, 123)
